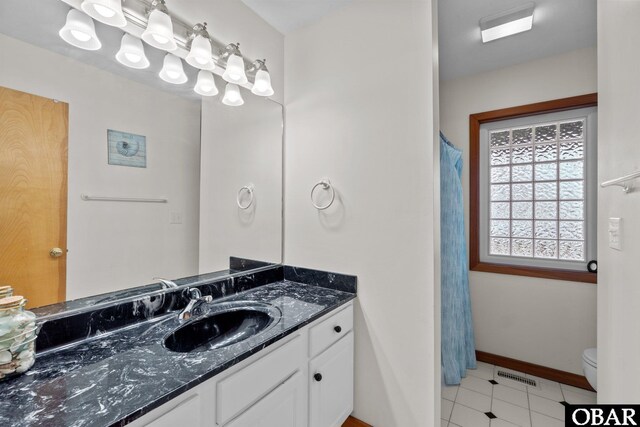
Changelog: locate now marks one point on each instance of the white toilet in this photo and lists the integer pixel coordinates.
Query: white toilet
(590, 366)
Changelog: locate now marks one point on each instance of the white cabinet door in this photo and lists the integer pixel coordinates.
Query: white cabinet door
(331, 385)
(283, 407)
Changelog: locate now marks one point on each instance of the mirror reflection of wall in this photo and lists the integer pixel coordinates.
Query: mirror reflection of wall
(104, 246)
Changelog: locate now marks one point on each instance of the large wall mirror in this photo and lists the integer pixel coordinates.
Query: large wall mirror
(111, 178)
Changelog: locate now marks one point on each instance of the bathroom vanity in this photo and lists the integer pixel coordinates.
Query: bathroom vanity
(307, 375)
(295, 370)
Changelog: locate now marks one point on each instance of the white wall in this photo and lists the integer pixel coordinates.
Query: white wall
(117, 245)
(618, 154)
(354, 118)
(240, 146)
(547, 322)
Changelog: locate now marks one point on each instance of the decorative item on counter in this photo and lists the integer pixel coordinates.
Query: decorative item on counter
(5, 291)
(17, 337)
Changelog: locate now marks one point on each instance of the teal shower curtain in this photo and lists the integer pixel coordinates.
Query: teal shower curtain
(458, 346)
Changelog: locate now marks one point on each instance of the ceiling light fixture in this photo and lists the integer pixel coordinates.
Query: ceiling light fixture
(262, 82)
(159, 32)
(172, 71)
(80, 31)
(232, 95)
(200, 50)
(206, 84)
(106, 11)
(131, 53)
(507, 23)
(234, 73)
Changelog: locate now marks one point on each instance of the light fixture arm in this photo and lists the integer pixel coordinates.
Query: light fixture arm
(160, 5)
(257, 65)
(198, 30)
(230, 49)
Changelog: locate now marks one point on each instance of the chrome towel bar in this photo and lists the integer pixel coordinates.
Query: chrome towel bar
(623, 182)
(88, 198)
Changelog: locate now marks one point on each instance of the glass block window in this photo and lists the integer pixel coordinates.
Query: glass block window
(536, 191)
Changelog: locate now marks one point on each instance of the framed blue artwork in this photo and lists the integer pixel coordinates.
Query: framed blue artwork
(127, 149)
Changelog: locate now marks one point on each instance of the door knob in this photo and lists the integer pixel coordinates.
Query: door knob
(55, 252)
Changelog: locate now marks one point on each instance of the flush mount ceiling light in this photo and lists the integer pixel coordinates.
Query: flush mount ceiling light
(106, 11)
(80, 31)
(200, 52)
(262, 82)
(206, 85)
(234, 73)
(172, 71)
(159, 32)
(507, 23)
(131, 53)
(232, 95)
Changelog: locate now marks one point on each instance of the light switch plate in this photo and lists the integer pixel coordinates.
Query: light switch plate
(176, 217)
(615, 233)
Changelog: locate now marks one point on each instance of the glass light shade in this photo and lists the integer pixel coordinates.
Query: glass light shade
(106, 11)
(79, 31)
(262, 84)
(172, 71)
(159, 32)
(200, 54)
(206, 84)
(235, 70)
(131, 53)
(232, 95)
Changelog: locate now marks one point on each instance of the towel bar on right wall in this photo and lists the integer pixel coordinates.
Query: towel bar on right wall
(623, 182)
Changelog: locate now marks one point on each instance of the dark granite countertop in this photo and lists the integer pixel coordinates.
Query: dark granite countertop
(112, 379)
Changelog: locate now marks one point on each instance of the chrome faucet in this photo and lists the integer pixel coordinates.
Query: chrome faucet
(194, 304)
(166, 284)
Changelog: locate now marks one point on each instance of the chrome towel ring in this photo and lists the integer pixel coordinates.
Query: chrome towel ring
(326, 185)
(249, 190)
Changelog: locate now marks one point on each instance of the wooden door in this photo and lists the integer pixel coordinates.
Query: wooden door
(331, 384)
(33, 195)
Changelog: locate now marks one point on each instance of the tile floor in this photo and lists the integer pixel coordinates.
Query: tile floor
(484, 399)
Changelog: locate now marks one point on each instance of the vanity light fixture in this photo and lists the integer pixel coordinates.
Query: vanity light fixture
(507, 23)
(80, 31)
(232, 95)
(200, 51)
(206, 84)
(159, 32)
(131, 53)
(106, 11)
(234, 73)
(262, 82)
(172, 71)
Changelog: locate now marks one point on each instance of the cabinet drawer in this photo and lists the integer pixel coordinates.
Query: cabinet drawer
(186, 413)
(240, 390)
(283, 407)
(331, 330)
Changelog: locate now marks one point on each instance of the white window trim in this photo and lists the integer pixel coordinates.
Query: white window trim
(591, 171)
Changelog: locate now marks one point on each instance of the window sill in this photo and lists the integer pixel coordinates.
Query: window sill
(543, 273)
